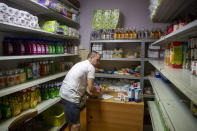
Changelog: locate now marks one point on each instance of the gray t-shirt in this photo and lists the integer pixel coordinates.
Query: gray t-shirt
(75, 82)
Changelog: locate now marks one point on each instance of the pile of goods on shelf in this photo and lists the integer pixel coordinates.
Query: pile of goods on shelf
(106, 19)
(180, 23)
(155, 52)
(61, 8)
(30, 71)
(128, 90)
(182, 55)
(134, 70)
(18, 17)
(20, 46)
(116, 53)
(55, 27)
(125, 34)
(12, 105)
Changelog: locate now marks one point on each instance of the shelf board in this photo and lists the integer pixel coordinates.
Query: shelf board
(40, 108)
(39, 9)
(121, 41)
(155, 117)
(33, 56)
(172, 107)
(169, 10)
(9, 27)
(121, 59)
(182, 34)
(181, 78)
(19, 87)
(66, 2)
(117, 76)
(148, 96)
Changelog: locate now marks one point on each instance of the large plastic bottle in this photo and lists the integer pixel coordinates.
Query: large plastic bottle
(39, 50)
(7, 47)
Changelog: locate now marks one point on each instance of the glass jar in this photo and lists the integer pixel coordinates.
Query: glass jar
(10, 78)
(2, 80)
(17, 77)
(22, 76)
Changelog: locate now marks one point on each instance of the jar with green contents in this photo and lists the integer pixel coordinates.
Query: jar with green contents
(52, 67)
(53, 48)
(29, 72)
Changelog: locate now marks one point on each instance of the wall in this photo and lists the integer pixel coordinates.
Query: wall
(134, 12)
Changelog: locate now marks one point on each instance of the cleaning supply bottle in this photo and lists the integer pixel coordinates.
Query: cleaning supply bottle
(8, 47)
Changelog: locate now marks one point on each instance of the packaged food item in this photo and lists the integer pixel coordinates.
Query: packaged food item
(97, 19)
(114, 18)
(176, 55)
(29, 72)
(106, 19)
(65, 29)
(50, 26)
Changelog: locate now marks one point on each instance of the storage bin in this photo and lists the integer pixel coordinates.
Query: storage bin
(55, 115)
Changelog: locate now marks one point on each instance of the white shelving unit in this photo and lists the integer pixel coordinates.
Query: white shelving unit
(176, 114)
(33, 56)
(7, 28)
(19, 87)
(40, 9)
(142, 58)
(155, 117)
(40, 108)
(182, 79)
(182, 34)
(13, 28)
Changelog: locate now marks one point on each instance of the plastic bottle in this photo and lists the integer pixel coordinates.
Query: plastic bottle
(126, 33)
(130, 34)
(53, 47)
(28, 49)
(20, 47)
(134, 33)
(52, 67)
(46, 47)
(122, 35)
(8, 47)
(33, 47)
(6, 110)
(39, 48)
(35, 71)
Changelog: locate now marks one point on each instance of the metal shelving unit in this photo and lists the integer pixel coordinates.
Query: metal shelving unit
(13, 28)
(3, 58)
(40, 108)
(173, 110)
(19, 87)
(66, 2)
(142, 59)
(155, 117)
(169, 10)
(41, 10)
(182, 79)
(183, 34)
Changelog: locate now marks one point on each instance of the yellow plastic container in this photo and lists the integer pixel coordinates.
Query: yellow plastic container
(55, 115)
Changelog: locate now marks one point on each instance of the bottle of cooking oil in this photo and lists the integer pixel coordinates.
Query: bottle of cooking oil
(126, 35)
(130, 31)
(122, 34)
(134, 33)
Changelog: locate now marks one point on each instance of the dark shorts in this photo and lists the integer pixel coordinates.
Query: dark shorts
(72, 112)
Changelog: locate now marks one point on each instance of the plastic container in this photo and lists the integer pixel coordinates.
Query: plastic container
(54, 116)
(22, 76)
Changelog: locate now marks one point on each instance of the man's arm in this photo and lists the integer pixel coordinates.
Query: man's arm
(92, 89)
